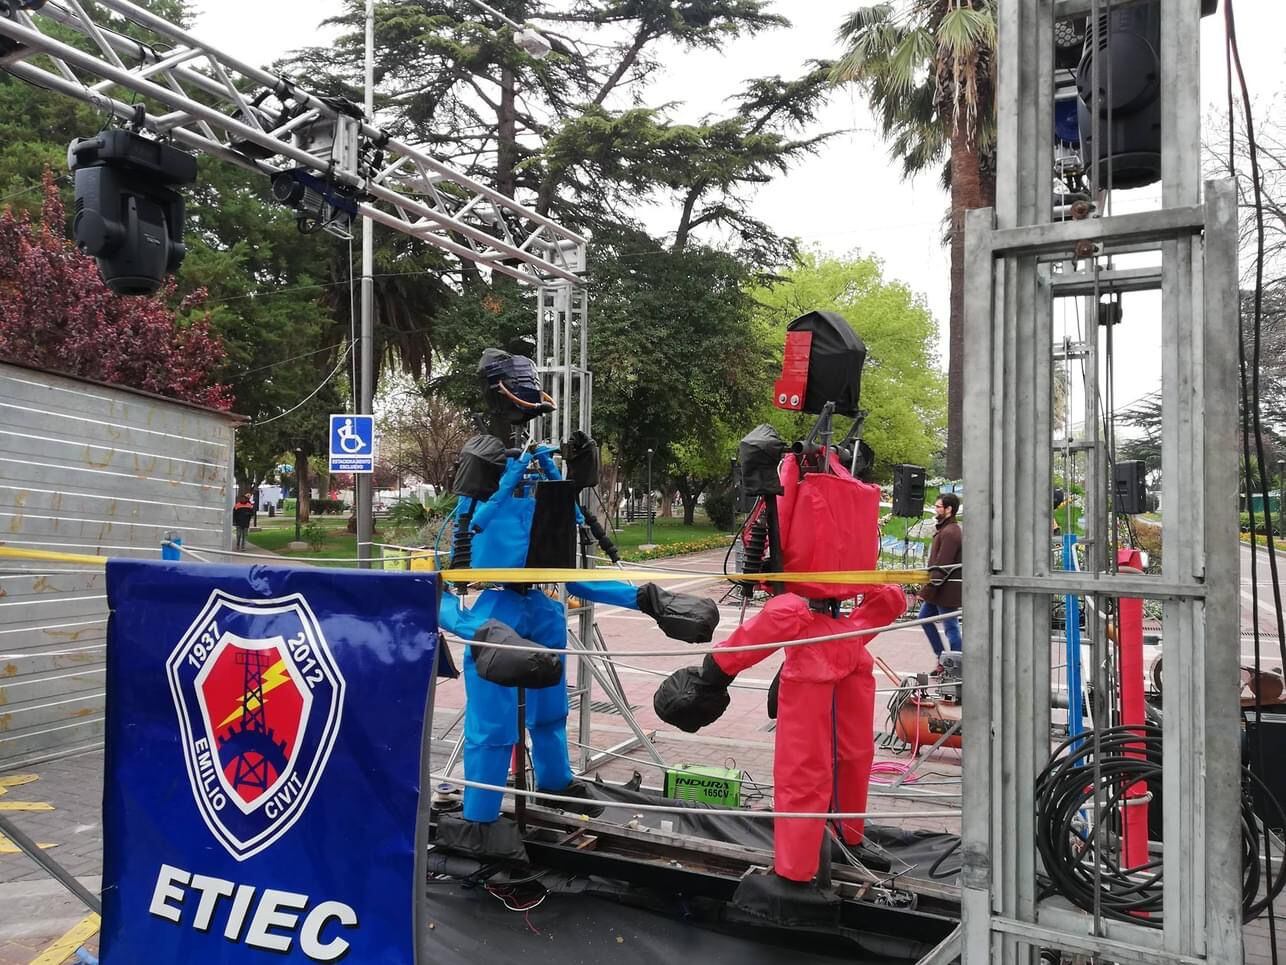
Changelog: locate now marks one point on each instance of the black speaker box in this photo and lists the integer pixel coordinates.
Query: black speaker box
(908, 491)
(1131, 488)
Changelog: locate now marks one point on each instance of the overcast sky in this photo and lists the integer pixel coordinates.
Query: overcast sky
(850, 196)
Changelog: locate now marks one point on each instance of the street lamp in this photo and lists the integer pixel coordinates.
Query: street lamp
(649, 497)
(534, 43)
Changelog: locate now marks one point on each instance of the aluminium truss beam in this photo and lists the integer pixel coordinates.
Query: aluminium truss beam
(214, 103)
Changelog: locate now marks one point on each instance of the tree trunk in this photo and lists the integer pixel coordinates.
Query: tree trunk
(304, 484)
(967, 192)
(666, 509)
(506, 136)
(690, 493)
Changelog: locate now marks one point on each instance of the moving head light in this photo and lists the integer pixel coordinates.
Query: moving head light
(127, 215)
(1128, 94)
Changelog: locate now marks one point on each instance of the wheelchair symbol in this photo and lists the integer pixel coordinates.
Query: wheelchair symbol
(349, 441)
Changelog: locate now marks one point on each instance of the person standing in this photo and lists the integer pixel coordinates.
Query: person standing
(942, 593)
(242, 512)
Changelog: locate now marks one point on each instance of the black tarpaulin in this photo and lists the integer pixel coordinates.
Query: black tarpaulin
(557, 918)
(834, 363)
(759, 455)
(478, 471)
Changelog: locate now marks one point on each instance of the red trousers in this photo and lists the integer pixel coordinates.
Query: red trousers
(825, 747)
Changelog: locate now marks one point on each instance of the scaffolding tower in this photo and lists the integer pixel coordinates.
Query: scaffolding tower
(1019, 262)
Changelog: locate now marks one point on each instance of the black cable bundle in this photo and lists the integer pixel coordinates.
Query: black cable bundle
(756, 547)
(1079, 857)
(462, 545)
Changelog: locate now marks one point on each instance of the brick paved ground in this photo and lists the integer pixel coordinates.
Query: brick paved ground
(34, 911)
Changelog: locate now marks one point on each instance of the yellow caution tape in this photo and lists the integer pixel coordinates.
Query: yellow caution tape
(606, 574)
(601, 575)
(9, 553)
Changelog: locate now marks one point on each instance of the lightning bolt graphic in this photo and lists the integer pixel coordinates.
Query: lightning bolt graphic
(273, 678)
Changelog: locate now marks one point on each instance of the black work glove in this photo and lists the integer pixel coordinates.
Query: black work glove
(514, 668)
(773, 689)
(691, 698)
(681, 616)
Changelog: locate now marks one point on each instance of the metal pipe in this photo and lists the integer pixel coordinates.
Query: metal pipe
(366, 344)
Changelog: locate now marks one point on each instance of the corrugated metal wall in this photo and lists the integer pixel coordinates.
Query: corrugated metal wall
(86, 468)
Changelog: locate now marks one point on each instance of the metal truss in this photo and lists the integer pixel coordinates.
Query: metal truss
(1019, 261)
(208, 101)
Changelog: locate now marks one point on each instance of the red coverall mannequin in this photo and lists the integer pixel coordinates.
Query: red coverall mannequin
(825, 711)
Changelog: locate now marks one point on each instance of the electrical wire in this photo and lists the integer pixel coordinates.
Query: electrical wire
(1075, 836)
(1251, 417)
(308, 398)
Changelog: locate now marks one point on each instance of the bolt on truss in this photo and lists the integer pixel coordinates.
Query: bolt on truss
(211, 102)
(1019, 261)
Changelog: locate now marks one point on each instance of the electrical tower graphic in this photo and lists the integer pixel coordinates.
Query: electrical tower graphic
(251, 750)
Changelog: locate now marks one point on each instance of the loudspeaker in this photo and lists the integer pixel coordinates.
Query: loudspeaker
(1272, 729)
(1131, 488)
(908, 491)
(744, 501)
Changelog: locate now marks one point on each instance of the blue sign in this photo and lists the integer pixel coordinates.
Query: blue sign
(265, 746)
(352, 443)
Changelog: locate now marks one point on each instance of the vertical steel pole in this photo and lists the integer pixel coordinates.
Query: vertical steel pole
(649, 497)
(366, 343)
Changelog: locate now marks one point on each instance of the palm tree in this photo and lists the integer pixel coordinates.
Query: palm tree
(928, 70)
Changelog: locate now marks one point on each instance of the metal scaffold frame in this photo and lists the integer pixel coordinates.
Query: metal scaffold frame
(562, 359)
(221, 106)
(1016, 262)
(207, 101)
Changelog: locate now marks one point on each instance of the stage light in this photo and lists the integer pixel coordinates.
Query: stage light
(1127, 95)
(127, 216)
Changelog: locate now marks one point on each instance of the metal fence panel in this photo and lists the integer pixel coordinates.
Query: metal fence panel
(88, 469)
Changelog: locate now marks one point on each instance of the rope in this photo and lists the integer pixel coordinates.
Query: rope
(691, 651)
(721, 812)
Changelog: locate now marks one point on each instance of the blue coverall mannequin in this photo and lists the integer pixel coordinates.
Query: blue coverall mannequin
(501, 527)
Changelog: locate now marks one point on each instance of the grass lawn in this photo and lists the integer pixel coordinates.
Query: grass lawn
(274, 534)
(667, 533)
(340, 545)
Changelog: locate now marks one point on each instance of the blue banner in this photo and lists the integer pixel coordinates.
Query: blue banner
(265, 752)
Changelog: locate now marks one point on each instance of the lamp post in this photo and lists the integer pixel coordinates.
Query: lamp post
(649, 497)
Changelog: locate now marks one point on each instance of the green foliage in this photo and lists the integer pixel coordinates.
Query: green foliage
(720, 504)
(902, 388)
(926, 67)
(324, 506)
(678, 358)
(315, 536)
(677, 548)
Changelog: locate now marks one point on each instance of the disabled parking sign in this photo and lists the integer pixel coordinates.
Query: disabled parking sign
(352, 443)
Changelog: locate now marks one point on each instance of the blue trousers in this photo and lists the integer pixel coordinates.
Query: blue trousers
(491, 711)
(952, 627)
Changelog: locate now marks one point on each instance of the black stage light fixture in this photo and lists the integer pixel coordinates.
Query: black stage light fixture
(1127, 96)
(127, 214)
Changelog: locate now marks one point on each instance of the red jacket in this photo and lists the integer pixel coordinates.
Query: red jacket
(789, 617)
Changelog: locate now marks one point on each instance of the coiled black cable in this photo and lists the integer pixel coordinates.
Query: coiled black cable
(1078, 847)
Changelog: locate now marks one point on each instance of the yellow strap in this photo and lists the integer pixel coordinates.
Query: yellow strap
(606, 574)
(9, 553)
(601, 575)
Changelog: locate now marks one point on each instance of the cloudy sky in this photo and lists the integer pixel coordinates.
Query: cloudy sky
(850, 196)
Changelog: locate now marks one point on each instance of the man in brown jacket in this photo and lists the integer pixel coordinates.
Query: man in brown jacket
(942, 593)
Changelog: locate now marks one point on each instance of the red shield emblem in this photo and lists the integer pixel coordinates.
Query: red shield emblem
(260, 701)
(255, 707)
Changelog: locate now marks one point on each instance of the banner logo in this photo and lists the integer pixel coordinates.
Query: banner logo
(259, 701)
